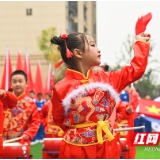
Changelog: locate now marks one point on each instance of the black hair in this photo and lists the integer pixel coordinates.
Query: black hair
(47, 94)
(31, 92)
(10, 90)
(73, 41)
(52, 86)
(19, 72)
(39, 94)
(105, 68)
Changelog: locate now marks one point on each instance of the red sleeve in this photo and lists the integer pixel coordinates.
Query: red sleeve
(57, 110)
(9, 99)
(134, 100)
(35, 122)
(121, 110)
(135, 71)
(44, 115)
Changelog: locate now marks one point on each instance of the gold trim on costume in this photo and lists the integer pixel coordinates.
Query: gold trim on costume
(80, 73)
(142, 41)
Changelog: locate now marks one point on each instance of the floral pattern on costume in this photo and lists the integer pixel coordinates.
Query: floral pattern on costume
(90, 107)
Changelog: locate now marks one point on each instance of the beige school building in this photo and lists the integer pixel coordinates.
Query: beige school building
(21, 22)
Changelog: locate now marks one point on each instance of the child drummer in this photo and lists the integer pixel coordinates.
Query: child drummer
(84, 102)
(23, 119)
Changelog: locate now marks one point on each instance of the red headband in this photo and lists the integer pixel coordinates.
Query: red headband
(69, 54)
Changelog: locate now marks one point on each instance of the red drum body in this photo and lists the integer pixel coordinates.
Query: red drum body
(15, 151)
(51, 147)
(123, 143)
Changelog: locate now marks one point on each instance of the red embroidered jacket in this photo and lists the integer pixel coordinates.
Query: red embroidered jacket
(47, 117)
(7, 101)
(23, 118)
(78, 99)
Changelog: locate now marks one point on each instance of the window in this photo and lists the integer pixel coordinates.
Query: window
(28, 11)
(85, 29)
(94, 29)
(85, 12)
(72, 5)
(73, 27)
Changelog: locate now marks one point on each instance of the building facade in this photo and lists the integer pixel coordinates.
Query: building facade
(21, 22)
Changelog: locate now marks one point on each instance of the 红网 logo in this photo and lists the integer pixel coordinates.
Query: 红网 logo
(146, 139)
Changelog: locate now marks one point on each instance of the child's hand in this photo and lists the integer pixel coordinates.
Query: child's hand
(143, 36)
(1, 92)
(25, 137)
(129, 110)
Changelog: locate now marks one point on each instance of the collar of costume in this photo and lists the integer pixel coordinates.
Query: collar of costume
(21, 96)
(73, 74)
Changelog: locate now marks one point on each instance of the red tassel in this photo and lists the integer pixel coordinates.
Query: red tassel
(69, 54)
(58, 64)
(142, 23)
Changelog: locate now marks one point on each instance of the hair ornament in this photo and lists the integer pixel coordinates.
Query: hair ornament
(69, 54)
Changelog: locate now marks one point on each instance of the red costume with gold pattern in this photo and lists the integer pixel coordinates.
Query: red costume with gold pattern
(47, 119)
(83, 107)
(23, 118)
(8, 100)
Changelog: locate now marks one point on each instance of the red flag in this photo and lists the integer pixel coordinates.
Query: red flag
(27, 70)
(149, 108)
(142, 23)
(50, 79)
(6, 72)
(38, 81)
(19, 65)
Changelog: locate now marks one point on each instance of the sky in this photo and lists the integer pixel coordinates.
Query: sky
(117, 19)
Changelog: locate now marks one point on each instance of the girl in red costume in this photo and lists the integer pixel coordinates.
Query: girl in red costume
(84, 102)
(7, 100)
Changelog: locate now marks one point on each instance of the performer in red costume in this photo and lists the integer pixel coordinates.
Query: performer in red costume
(47, 119)
(49, 126)
(23, 119)
(83, 102)
(7, 100)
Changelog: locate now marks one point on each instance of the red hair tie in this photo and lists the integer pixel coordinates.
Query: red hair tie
(69, 54)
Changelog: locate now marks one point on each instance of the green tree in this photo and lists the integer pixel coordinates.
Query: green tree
(147, 84)
(51, 52)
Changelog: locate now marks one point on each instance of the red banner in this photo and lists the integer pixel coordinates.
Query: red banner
(149, 108)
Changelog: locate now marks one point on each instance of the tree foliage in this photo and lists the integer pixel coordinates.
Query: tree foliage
(147, 84)
(51, 52)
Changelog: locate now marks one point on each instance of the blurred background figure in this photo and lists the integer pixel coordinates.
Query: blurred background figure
(124, 96)
(40, 134)
(105, 68)
(47, 97)
(148, 97)
(32, 95)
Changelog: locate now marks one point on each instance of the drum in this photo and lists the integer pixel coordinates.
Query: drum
(51, 147)
(15, 151)
(123, 143)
